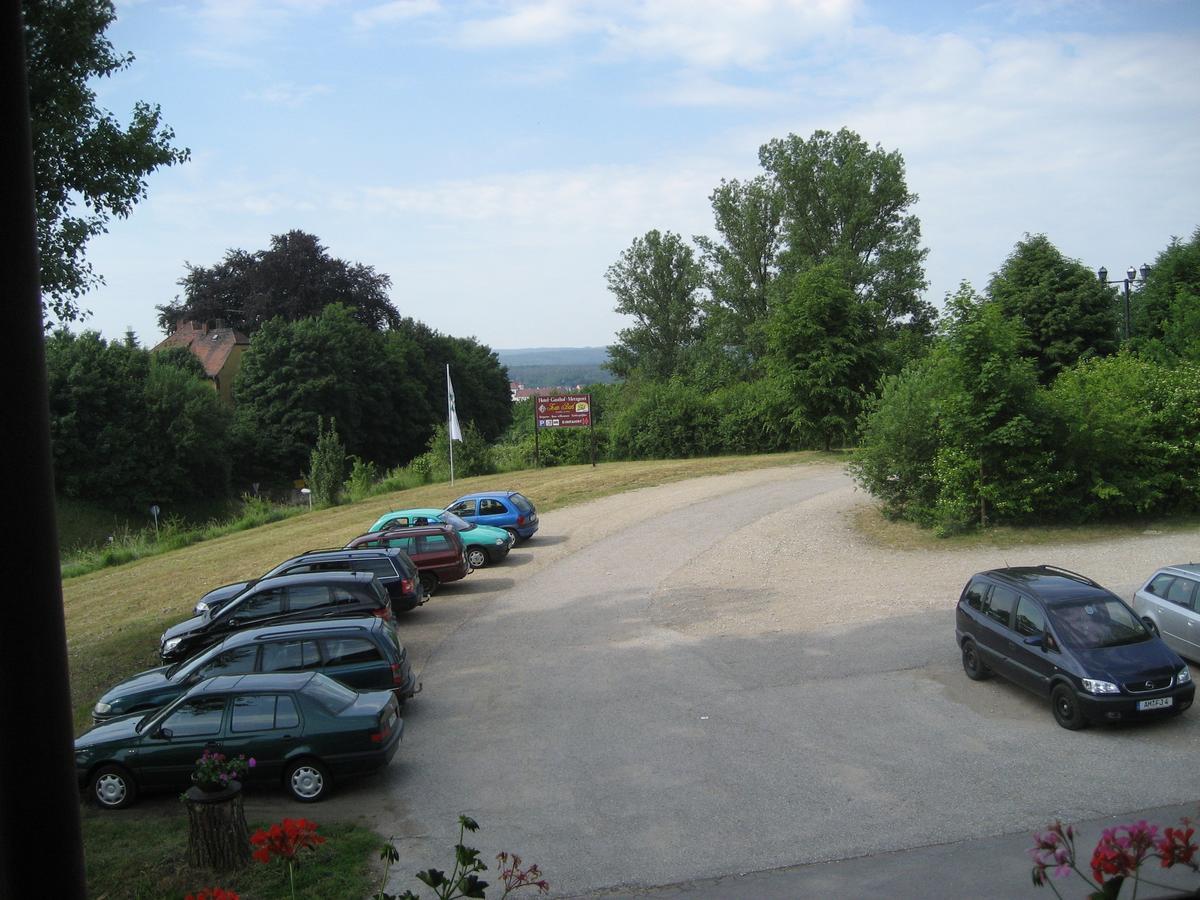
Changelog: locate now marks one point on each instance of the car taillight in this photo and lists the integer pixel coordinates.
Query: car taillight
(397, 675)
(385, 727)
(383, 612)
(520, 520)
(407, 585)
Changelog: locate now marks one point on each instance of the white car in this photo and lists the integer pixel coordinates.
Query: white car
(1169, 604)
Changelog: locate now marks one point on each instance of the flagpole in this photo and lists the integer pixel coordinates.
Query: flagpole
(450, 414)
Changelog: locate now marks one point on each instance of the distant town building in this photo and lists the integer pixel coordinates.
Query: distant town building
(218, 348)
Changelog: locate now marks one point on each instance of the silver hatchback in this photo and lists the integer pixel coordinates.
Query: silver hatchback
(1169, 604)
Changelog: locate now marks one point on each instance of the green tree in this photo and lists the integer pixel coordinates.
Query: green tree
(1166, 311)
(844, 200)
(823, 351)
(294, 279)
(329, 366)
(87, 166)
(327, 465)
(1067, 314)
(740, 266)
(655, 281)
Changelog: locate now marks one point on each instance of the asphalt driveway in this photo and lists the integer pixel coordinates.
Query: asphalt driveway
(721, 676)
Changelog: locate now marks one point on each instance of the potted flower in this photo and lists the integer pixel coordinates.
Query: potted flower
(217, 772)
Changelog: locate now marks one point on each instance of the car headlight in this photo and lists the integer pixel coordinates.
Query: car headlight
(103, 709)
(171, 644)
(500, 542)
(1183, 676)
(1093, 686)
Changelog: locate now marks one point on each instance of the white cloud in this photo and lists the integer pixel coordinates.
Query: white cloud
(393, 12)
(289, 95)
(542, 22)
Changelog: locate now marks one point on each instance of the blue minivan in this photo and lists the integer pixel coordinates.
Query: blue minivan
(1064, 637)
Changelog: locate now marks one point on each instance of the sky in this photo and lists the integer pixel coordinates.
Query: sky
(495, 158)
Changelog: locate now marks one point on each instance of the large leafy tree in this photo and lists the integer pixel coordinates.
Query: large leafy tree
(294, 279)
(128, 427)
(823, 351)
(845, 200)
(88, 167)
(656, 280)
(1166, 311)
(1066, 313)
(741, 263)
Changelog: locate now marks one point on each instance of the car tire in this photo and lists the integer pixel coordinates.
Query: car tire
(307, 780)
(516, 537)
(477, 557)
(429, 583)
(975, 667)
(112, 787)
(1151, 627)
(1066, 708)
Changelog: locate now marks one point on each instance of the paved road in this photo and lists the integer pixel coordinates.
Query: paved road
(598, 708)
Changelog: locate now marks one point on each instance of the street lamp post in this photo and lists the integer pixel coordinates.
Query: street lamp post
(1132, 276)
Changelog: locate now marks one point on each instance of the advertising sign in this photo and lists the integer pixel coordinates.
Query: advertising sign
(564, 411)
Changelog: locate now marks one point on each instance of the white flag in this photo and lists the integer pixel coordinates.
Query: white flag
(455, 431)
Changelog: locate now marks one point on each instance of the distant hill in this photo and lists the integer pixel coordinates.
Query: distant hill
(556, 366)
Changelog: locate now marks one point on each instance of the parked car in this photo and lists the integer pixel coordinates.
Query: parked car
(512, 511)
(1065, 637)
(437, 551)
(302, 729)
(395, 571)
(483, 543)
(1169, 604)
(363, 653)
(287, 598)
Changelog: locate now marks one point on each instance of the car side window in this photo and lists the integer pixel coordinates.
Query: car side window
(432, 543)
(464, 508)
(253, 712)
(333, 565)
(347, 651)
(404, 543)
(307, 596)
(491, 508)
(261, 605)
(1030, 618)
(999, 605)
(974, 594)
(1181, 592)
(381, 567)
(286, 714)
(198, 717)
(238, 661)
(1160, 584)
(290, 656)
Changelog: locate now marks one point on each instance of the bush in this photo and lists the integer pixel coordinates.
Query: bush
(361, 483)
(327, 465)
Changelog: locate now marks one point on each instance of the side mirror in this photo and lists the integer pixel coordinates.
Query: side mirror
(162, 733)
(1035, 640)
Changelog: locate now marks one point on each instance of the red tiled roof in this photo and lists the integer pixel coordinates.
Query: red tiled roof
(211, 346)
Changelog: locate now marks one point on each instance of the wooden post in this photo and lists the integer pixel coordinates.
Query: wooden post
(217, 834)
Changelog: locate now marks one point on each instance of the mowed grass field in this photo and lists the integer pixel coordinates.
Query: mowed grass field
(114, 617)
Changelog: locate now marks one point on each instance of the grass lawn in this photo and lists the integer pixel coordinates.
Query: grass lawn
(131, 854)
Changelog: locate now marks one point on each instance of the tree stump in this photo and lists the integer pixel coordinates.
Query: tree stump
(217, 834)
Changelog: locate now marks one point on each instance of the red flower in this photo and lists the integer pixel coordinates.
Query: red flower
(285, 839)
(1176, 845)
(1122, 850)
(215, 893)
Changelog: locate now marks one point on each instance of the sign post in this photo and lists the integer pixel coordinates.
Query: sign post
(563, 411)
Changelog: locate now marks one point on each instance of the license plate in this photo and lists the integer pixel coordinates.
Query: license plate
(1160, 703)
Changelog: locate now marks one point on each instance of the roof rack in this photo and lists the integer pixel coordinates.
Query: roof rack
(1061, 571)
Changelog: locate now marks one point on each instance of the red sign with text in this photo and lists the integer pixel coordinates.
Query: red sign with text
(564, 411)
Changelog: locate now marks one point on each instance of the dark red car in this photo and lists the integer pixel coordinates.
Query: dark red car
(437, 551)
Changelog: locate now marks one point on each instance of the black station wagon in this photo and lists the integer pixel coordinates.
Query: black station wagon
(1065, 637)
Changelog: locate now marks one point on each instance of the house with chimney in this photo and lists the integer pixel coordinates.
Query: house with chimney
(218, 348)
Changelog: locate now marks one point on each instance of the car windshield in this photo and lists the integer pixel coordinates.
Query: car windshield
(1091, 624)
(457, 523)
(331, 695)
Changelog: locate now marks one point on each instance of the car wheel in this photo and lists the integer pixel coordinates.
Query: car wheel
(1151, 627)
(307, 780)
(429, 583)
(477, 558)
(974, 666)
(1066, 708)
(113, 787)
(516, 538)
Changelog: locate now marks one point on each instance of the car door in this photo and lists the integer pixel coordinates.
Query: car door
(492, 512)
(265, 727)
(995, 630)
(168, 753)
(464, 509)
(1183, 598)
(1033, 653)
(260, 608)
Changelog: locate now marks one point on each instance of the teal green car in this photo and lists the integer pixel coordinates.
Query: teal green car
(301, 729)
(483, 544)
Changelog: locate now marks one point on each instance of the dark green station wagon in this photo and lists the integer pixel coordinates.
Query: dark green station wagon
(302, 729)
(364, 654)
